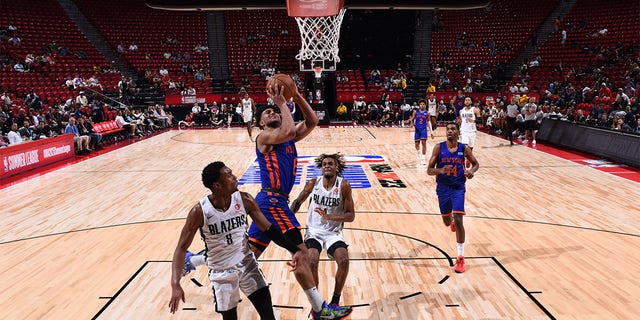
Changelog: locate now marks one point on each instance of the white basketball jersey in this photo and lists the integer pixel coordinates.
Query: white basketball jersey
(223, 233)
(433, 107)
(246, 106)
(328, 200)
(468, 120)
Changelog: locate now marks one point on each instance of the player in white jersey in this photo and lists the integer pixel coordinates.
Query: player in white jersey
(221, 219)
(432, 106)
(468, 116)
(248, 109)
(330, 206)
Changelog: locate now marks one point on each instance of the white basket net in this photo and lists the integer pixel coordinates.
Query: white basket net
(320, 37)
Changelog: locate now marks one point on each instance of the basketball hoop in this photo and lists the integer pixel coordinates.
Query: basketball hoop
(318, 72)
(319, 23)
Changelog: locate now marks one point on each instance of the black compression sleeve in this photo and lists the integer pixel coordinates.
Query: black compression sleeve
(277, 237)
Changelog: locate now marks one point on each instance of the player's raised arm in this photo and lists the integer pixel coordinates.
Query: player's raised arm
(273, 134)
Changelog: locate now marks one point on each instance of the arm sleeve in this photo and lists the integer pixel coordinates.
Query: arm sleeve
(277, 237)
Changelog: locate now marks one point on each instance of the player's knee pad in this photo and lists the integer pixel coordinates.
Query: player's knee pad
(294, 235)
(313, 244)
(335, 246)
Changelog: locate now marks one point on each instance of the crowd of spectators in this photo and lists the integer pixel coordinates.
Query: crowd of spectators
(76, 114)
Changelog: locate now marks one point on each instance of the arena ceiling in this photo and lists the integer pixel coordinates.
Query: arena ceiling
(190, 5)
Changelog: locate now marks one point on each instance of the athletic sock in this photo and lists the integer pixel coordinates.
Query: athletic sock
(461, 249)
(314, 298)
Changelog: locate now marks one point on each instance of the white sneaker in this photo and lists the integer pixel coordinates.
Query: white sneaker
(525, 141)
(533, 142)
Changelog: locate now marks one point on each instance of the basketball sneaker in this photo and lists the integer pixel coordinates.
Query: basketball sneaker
(188, 267)
(331, 311)
(452, 226)
(459, 264)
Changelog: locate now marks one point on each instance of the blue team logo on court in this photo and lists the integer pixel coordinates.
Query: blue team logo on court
(352, 172)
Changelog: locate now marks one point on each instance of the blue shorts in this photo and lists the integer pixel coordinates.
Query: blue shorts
(277, 211)
(421, 134)
(451, 198)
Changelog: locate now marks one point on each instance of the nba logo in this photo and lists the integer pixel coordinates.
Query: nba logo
(6, 164)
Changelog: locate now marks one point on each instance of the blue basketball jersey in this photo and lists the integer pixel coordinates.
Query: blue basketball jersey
(422, 119)
(455, 176)
(278, 167)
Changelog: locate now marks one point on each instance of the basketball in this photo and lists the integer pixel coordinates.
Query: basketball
(282, 79)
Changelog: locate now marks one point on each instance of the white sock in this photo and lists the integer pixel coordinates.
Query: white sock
(198, 260)
(460, 249)
(314, 298)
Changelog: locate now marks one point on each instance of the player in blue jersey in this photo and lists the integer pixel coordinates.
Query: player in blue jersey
(278, 159)
(457, 102)
(447, 164)
(421, 121)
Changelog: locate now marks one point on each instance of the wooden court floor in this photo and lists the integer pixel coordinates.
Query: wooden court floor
(546, 238)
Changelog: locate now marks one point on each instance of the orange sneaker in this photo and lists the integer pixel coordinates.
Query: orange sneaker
(452, 226)
(459, 268)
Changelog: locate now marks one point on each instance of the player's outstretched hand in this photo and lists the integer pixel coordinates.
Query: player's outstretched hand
(296, 260)
(177, 294)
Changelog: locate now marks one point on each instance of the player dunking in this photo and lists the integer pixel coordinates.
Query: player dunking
(221, 218)
(248, 110)
(420, 119)
(278, 159)
(447, 164)
(331, 205)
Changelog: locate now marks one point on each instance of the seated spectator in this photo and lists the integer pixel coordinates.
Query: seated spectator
(131, 127)
(42, 130)
(81, 141)
(19, 67)
(14, 41)
(187, 122)
(341, 111)
(13, 135)
(620, 125)
(26, 131)
(86, 128)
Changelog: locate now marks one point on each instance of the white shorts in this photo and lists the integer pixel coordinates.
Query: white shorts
(468, 138)
(326, 238)
(226, 284)
(247, 116)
